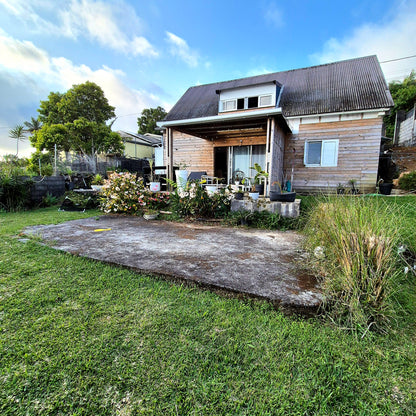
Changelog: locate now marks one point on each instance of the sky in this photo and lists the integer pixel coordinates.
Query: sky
(147, 53)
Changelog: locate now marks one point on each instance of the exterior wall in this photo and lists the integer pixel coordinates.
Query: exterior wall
(358, 155)
(407, 130)
(196, 153)
(138, 151)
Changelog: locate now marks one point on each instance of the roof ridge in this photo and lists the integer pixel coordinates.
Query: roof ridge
(285, 71)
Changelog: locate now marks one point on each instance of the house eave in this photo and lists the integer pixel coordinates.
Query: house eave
(269, 112)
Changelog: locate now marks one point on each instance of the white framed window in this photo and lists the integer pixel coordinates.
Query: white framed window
(257, 101)
(321, 153)
(265, 100)
(229, 105)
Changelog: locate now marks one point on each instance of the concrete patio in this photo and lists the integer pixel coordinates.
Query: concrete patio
(265, 264)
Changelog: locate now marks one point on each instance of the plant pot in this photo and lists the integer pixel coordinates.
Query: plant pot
(181, 178)
(211, 189)
(259, 188)
(254, 195)
(239, 196)
(154, 186)
(385, 188)
(286, 197)
(152, 216)
(274, 195)
(97, 188)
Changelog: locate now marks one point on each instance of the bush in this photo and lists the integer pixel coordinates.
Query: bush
(14, 187)
(355, 246)
(124, 193)
(408, 181)
(195, 202)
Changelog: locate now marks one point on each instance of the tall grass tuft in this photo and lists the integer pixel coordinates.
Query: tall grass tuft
(355, 247)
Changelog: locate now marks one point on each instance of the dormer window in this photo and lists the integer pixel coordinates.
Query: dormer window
(248, 97)
(247, 103)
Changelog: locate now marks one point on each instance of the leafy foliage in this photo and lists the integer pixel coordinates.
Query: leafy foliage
(18, 133)
(404, 96)
(124, 193)
(408, 181)
(193, 201)
(14, 187)
(76, 121)
(148, 119)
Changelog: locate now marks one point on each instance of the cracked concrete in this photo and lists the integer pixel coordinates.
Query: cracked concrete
(258, 263)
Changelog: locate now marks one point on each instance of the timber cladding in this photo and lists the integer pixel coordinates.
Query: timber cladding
(358, 155)
(196, 153)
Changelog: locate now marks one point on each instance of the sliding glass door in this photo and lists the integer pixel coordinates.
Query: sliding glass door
(242, 157)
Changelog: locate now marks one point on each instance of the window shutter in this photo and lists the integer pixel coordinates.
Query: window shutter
(329, 153)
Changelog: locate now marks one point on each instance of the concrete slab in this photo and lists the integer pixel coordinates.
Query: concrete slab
(259, 263)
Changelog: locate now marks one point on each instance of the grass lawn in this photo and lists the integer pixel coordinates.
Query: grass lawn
(78, 337)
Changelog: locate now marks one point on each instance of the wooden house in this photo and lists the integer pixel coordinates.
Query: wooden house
(316, 127)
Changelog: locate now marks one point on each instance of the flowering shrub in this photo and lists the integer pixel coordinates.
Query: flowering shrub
(194, 201)
(124, 193)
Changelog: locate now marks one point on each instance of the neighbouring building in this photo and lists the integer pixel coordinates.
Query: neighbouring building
(317, 127)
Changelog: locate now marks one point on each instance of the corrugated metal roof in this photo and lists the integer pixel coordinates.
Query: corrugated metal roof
(354, 84)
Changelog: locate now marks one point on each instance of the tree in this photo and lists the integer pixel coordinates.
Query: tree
(147, 122)
(33, 125)
(17, 133)
(404, 96)
(76, 121)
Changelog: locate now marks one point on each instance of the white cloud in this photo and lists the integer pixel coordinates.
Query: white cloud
(391, 39)
(112, 25)
(22, 56)
(274, 16)
(179, 48)
(28, 74)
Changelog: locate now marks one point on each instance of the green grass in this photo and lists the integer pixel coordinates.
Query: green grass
(78, 337)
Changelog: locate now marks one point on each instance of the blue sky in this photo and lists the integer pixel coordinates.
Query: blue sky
(147, 53)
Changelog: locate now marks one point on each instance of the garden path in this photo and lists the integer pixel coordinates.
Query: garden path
(260, 263)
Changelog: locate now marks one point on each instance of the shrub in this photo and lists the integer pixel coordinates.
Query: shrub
(14, 187)
(124, 193)
(355, 243)
(408, 181)
(194, 201)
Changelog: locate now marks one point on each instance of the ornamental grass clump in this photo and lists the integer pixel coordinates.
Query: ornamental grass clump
(355, 244)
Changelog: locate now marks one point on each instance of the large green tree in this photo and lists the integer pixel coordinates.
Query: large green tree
(76, 121)
(149, 118)
(404, 96)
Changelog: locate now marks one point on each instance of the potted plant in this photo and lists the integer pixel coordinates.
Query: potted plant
(181, 176)
(384, 188)
(154, 186)
(97, 182)
(150, 214)
(354, 190)
(278, 194)
(239, 195)
(258, 178)
(254, 194)
(340, 189)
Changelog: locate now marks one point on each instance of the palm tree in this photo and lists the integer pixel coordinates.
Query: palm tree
(17, 133)
(33, 125)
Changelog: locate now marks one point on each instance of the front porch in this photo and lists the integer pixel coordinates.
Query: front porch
(224, 146)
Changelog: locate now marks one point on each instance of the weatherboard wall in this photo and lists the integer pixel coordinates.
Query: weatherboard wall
(358, 155)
